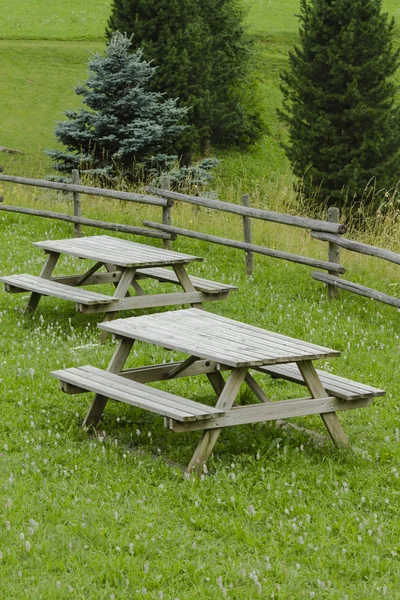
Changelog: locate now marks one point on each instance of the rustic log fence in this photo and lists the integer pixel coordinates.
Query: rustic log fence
(329, 231)
(76, 189)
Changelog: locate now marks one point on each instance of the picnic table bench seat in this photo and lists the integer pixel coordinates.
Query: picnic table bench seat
(337, 386)
(200, 284)
(91, 379)
(47, 287)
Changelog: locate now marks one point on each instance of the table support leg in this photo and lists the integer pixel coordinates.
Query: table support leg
(225, 401)
(256, 389)
(45, 274)
(217, 382)
(331, 421)
(121, 291)
(116, 364)
(186, 283)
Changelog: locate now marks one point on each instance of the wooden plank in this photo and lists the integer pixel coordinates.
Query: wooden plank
(201, 285)
(295, 258)
(134, 393)
(46, 287)
(84, 189)
(123, 253)
(152, 301)
(317, 391)
(163, 371)
(359, 247)
(256, 213)
(342, 388)
(271, 411)
(169, 330)
(95, 279)
(356, 288)
(46, 214)
(241, 333)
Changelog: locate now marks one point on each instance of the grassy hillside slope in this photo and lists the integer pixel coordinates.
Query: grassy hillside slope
(44, 49)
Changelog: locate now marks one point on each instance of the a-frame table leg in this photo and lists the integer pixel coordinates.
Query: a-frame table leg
(225, 401)
(317, 390)
(186, 283)
(121, 290)
(116, 364)
(45, 274)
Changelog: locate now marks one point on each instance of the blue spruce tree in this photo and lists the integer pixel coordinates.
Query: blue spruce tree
(123, 129)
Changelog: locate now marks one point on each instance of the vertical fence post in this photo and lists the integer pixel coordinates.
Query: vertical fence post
(166, 211)
(248, 237)
(333, 252)
(77, 203)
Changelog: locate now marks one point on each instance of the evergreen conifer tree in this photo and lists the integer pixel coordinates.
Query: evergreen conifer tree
(201, 51)
(124, 127)
(339, 101)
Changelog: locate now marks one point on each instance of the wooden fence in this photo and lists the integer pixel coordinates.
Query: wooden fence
(76, 189)
(330, 231)
(327, 231)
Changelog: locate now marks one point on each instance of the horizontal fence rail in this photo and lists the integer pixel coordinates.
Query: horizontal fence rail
(76, 190)
(358, 247)
(84, 189)
(356, 288)
(304, 260)
(329, 231)
(255, 213)
(90, 222)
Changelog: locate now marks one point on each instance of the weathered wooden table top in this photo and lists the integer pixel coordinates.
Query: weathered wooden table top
(212, 337)
(122, 253)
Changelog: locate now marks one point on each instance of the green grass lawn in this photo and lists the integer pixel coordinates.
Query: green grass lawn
(105, 517)
(279, 516)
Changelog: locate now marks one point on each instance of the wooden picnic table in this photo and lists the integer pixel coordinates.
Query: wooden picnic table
(215, 344)
(125, 263)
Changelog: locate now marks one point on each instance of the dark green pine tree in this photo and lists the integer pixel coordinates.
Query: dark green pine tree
(339, 102)
(235, 118)
(174, 37)
(123, 129)
(201, 53)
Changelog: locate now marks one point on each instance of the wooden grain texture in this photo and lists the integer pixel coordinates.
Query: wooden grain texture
(295, 258)
(256, 213)
(356, 288)
(200, 284)
(216, 338)
(45, 273)
(333, 252)
(163, 371)
(224, 403)
(272, 411)
(136, 394)
(124, 253)
(115, 365)
(45, 287)
(359, 247)
(317, 391)
(342, 388)
(76, 197)
(46, 214)
(247, 233)
(152, 301)
(84, 189)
